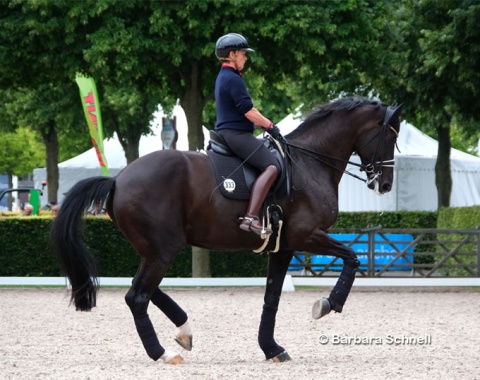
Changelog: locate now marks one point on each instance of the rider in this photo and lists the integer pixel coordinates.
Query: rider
(236, 121)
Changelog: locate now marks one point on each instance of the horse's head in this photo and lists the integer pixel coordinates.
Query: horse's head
(331, 132)
(376, 147)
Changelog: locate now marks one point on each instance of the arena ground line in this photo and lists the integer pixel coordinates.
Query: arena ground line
(289, 285)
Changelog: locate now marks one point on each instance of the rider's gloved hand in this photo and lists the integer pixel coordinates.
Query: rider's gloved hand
(275, 133)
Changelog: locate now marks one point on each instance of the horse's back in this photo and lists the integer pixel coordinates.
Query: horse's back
(162, 175)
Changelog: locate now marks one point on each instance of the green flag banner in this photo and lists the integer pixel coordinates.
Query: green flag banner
(91, 108)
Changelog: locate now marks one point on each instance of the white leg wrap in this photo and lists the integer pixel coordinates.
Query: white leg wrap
(184, 329)
(183, 336)
(171, 357)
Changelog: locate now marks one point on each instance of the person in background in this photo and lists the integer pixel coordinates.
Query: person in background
(27, 210)
(49, 205)
(236, 120)
(54, 210)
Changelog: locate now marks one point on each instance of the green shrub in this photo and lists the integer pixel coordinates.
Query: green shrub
(24, 249)
(387, 219)
(459, 218)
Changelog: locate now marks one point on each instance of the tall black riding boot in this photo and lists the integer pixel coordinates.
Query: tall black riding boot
(262, 185)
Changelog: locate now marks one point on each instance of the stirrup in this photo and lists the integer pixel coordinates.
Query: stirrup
(247, 226)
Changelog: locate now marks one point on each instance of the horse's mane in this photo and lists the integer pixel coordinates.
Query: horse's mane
(342, 104)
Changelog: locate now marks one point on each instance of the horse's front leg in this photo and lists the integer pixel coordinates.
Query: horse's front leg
(340, 291)
(277, 269)
(320, 241)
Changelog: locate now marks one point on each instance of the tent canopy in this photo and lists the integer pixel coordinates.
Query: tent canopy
(86, 164)
(414, 184)
(114, 151)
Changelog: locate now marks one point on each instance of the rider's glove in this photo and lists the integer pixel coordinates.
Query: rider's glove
(275, 133)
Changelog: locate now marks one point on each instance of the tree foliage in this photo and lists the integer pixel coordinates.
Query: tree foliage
(52, 112)
(148, 53)
(431, 65)
(21, 151)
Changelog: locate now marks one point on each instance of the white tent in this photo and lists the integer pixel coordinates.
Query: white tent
(414, 187)
(414, 184)
(86, 164)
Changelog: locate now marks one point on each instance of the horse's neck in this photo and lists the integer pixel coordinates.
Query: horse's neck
(327, 153)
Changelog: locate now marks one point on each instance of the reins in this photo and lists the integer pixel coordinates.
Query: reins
(322, 158)
(374, 167)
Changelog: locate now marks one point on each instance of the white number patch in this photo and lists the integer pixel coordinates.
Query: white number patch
(229, 185)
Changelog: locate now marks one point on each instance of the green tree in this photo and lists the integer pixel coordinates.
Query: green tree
(148, 53)
(40, 55)
(432, 66)
(20, 153)
(53, 112)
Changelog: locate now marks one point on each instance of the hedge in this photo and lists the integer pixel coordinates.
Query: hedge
(459, 218)
(398, 219)
(24, 249)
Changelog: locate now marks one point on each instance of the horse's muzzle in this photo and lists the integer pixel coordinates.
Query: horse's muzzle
(380, 185)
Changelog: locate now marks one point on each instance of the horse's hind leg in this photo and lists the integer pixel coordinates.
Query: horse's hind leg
(177, 315)
(277, 269)
(138, 297)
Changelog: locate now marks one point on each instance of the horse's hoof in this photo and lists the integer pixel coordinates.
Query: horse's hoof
(185, 341)
(177, 359)
(321, 308)
(283, 357)
(184, 336)
(171, 358)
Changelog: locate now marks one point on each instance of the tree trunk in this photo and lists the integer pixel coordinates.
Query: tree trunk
(132, 149)
(10, 195)
(201, 262)
(443, 176)
(192, 102)
(50, 140)
(129, 138)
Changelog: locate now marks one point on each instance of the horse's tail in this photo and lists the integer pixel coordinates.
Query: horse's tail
(75, 259)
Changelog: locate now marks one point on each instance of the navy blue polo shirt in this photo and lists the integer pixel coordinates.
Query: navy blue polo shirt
(232, 101)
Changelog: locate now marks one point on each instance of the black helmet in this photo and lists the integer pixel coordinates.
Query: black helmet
(229, 42)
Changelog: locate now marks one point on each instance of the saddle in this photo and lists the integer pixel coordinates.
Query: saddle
(235, 180)
(234, 177)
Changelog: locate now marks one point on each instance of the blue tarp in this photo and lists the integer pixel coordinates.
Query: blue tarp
(384, 252)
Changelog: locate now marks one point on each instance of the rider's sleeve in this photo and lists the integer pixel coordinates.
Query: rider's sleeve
(243, 100)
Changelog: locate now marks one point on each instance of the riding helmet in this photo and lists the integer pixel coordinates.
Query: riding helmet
(229, 42)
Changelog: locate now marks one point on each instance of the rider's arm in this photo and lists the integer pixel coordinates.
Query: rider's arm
(258, 119)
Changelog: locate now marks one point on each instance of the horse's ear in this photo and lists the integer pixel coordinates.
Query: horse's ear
(397, 110)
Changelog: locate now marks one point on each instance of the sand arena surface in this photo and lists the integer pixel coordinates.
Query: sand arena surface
(394, 334)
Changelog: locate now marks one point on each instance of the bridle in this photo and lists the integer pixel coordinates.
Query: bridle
(374, 167)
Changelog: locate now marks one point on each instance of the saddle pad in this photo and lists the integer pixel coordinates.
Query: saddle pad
(230, 176)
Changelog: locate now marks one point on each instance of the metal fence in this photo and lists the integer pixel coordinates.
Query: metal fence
(399, 253)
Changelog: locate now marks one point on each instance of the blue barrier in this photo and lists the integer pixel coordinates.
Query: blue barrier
(295, 264)
(384, 252)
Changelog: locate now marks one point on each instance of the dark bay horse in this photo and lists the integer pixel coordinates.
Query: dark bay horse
(168, 199)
